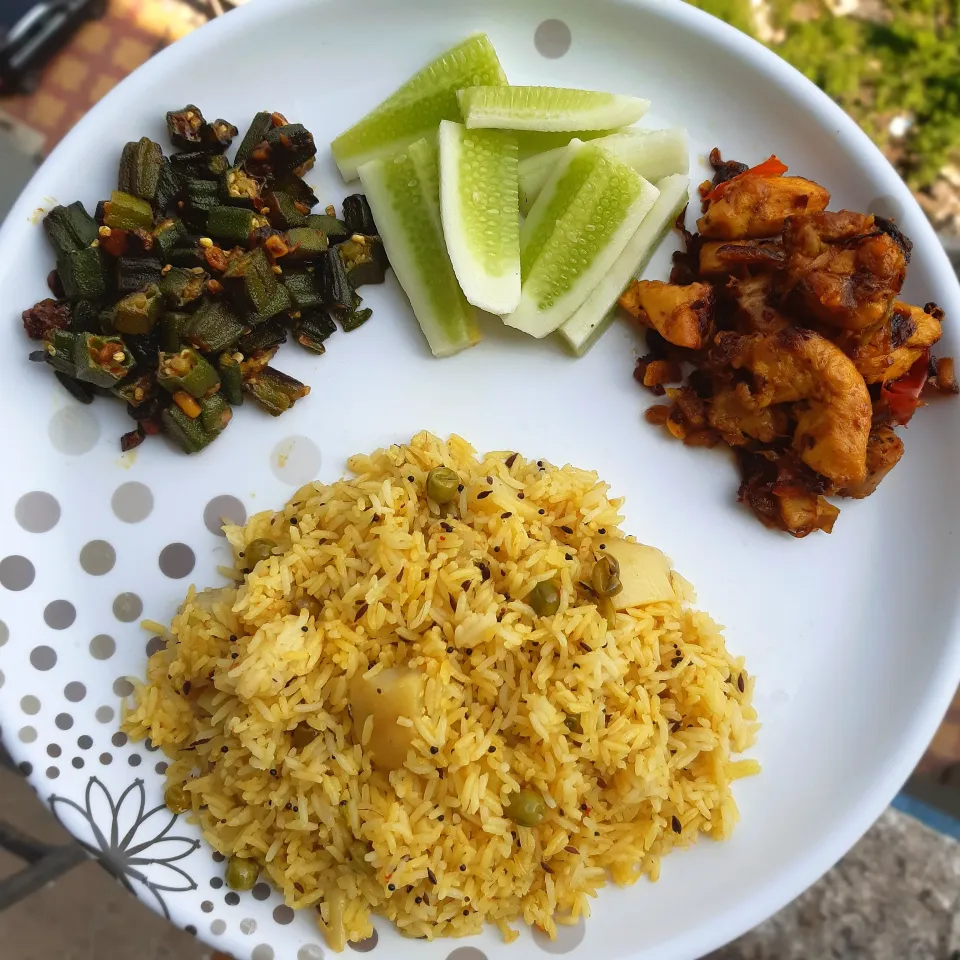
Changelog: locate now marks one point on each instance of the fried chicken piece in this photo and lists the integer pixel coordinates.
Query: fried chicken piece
(843, 269)
(891, 348)
(751, 207)
(751, 299)
(831, 403)
(719, 258)
(784, 494)
(884, 450)
(735, 416)
(682, 315)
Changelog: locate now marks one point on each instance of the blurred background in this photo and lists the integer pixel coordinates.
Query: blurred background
(894, 65)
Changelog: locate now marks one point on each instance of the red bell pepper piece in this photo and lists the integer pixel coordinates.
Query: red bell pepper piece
(771, 167)
(903, 396)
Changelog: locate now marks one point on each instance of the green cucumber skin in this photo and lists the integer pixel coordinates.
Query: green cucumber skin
(404, 195)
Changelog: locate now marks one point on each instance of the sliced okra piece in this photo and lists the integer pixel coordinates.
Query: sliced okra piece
(102, 361)
(258, 129)
(336, 231)
(172, 330)
(357, 214)
(238, 188)
(69, 229)
(138, 390)
(217, 135)
(84, 274)
(124, 211)
(279, 302)
(298, 188)
(137, 312)
(197, 165)
(254, 363)
(276, 392)
(81, 392)
(145, 348)
(61, 351)
(231, 378)
(126, 243)
(305, 244)
(233, 225)
(182, 286)
(303, 289)
(184, 125)
(168, 187)
(284, 211)
(355, 318)
(312, 329)
(215, 413)
(250, 280)
(85, 316)
(134, 273)
(186, 370)
(140, 165)
(283, 150)
(188, 253)
(188, 434)
(168, 233)
(335, 288)
(364, 258)
(262, 337)
(215, 327)
(199, 198)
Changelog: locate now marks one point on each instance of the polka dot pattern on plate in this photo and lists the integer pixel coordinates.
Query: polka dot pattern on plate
(74, 691)
(106, 759)
(283, 914)
(365, 946)
(122, 687)
(132, 502)
(127, 607)
(27, 734)
(261, 891)
(64, 721)
(30, 705)
(310, 951)
(231, 899)
(552, 39)
(97, 557)
(73, 430)
(218, 927)
(248, 925)
(16, 573)
(84, 742)
(59, 614)
(569, 937)
(37, 512)
(4, 633)
(467, 953)
(104, 714)
(154, 645)
(52, 773)
(53, 750)
(102, 647)
(43, 658)
(176, 561)
(224, 508)
(296, 460)
(262, 951)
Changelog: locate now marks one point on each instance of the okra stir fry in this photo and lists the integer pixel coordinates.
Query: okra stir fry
(177, 293)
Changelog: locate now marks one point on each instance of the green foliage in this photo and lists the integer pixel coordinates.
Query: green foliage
(907, 62)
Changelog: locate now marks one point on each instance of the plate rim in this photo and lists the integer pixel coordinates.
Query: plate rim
(792, 878)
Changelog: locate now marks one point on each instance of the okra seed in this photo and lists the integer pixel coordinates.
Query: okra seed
(206, 242)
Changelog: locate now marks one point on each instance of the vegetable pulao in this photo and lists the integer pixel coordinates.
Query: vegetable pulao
(448, 691)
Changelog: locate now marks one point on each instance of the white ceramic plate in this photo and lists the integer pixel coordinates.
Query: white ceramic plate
(853, 637)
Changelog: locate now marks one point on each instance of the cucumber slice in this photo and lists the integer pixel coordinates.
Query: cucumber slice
(479, 209)
(404, 196)
(600, 202)
(654, 154)
(595, 314)
(547, 108)
(534, 142)
(416, 108)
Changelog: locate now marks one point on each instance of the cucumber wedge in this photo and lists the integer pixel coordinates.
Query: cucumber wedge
(533, 142)
(416, 108)
(480, 213)
(595, 314)
(547, 108)
(404, 196)
(580, 224)
(654, 154)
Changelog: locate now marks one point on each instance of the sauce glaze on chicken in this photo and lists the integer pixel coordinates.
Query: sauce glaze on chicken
(798, 354)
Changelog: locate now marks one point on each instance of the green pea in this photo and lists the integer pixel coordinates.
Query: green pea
(242, 873)
(526, 808)
(303, 736)
(605, 577)
(257, 550)
(312, 605)
(442, 483)
(544, 598)
(176, 798)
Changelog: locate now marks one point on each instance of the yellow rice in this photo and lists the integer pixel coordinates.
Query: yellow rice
(661, 703)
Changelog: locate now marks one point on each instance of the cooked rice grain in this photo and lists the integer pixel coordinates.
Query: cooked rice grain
(659, 702)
